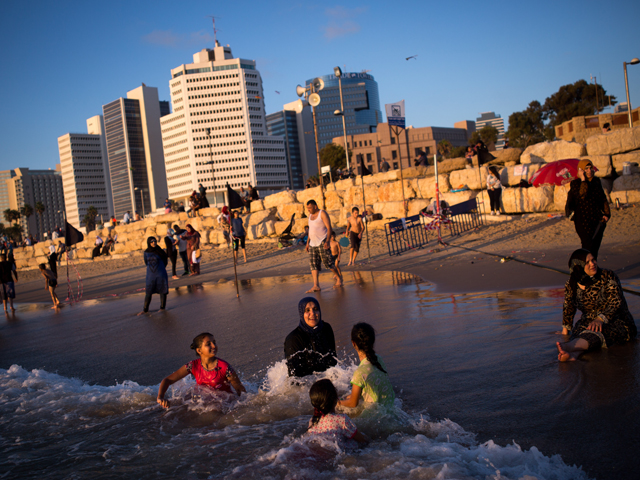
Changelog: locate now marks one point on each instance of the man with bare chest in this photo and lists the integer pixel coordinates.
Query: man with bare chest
(355, 228)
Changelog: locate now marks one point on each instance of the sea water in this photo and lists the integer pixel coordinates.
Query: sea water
(479, 394)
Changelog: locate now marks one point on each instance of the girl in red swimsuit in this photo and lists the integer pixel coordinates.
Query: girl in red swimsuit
(208, 370)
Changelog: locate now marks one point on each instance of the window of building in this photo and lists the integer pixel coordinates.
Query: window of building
(393, 140)
(418, 152)
(369, 158)
(361, 143)
(394, 154)
(395, 165)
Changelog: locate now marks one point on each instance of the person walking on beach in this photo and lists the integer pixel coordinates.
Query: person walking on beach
(588, 203)
(8, 288)
(311, 347)
(172, 253)
(193, 249)
(157, 281)
(50, 283)
(239, 235)
(355, 228)
(336, 251)
(318, 245)
(597, 293)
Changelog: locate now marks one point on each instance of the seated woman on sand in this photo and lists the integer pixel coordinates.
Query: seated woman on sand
(605, 319)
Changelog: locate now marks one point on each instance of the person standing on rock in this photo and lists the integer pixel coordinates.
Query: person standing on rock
(384, 167)
(588, 207)
(318, 245)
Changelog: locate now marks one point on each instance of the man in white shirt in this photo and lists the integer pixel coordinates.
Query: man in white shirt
(127, 218)
(318, 245)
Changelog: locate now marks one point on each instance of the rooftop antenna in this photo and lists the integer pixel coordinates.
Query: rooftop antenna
(215, 36)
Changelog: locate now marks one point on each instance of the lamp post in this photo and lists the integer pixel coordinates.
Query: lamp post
(338, 73)
(141, 199)
(635, 61)
(213, 172)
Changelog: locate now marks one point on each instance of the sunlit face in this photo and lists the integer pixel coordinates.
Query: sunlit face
(588, 171)
(208, 348)
(312, 209)
(591, 266)
(311, 314)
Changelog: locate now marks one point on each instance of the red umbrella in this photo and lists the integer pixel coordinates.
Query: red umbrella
(559, 172)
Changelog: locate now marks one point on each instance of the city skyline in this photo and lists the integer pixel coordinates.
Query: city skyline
(65, 62)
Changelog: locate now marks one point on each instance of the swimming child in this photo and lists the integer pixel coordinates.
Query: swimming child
(207, 370)
(324, 399)
(336, 251)
(370, 380)
(50, 283)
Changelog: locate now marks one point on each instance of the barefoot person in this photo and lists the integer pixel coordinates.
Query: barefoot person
(157, 280)
(605, 319)
(8, 289)
(336, 251)
(311, 347)
(50, 283)
(355, 227)
(318, 245)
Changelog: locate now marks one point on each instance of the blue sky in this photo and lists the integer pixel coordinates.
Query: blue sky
(61, 61)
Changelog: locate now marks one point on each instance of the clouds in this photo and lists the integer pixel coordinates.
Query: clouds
(169, 39)
(342, 22)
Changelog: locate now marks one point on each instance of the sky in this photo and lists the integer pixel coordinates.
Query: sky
(61, 61)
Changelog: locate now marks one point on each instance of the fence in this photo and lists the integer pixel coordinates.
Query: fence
(406, 234)
(464, 216)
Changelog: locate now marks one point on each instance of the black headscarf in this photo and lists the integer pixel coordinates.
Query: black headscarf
(313, 331)
(577, 263)
(157, 250)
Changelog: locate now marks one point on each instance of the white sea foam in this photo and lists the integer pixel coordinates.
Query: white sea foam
(84, 430)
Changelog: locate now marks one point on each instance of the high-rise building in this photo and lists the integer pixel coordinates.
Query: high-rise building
(221, 95)
(134, 151)
(4, 191)
(361, 106)
(490, 118)
(85, 172)
(28, 187)
(284, 123)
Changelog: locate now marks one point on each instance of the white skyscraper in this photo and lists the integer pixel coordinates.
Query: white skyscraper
(223, 94)
(85, 173)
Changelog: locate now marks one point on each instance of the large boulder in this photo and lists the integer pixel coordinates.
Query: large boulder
(314, 193)
(626, 196)
(280, 198)
(333, 200)
(618, 141)
(344, 184)
(512, 175)
(473, 178)
(446, 166)
(395, 191)
(602, 163)
(260, 217)
(426, 187)
(168, 218)
(626, 182)
(353, 196)
(546, 152)
(506, 155)
(256, 206)
(560, 193)
(620, 159)
(416, 205)
(453, 198)
(389, 209)
(209, 212)
(528, 200)
(183, 216)
(334, 216)
(285, 211)
(280, 227)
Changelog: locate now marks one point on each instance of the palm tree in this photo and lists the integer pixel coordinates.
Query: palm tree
(90, 218)
(444, 148)
(11, 215)
(40, 208)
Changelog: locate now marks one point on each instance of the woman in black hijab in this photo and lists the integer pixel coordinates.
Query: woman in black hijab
(155, 258)
(311, 347)
(605, 319)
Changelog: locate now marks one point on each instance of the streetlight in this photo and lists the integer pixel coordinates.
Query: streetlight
(635, 61)
(213, 172)
(338, 73)
(141, 200)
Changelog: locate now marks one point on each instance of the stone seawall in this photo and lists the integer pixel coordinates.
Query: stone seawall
(383, 194)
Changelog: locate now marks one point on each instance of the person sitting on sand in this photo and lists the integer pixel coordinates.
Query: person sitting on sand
(355, 227)
(370, 381)
(325, 420)
(50, 283)
(311, 347)
(302, 238)
(597, 293)
(208, 370)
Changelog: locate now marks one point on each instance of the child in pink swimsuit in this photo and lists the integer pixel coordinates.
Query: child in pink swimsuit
(208, 370)
(326, 421)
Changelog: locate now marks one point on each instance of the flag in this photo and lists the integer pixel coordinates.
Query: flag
(71, 235)
(235, 200)
(365, 170)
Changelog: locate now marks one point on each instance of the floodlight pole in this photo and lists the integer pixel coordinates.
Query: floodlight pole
(338, 73)
(396, 130)
(635, 61)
